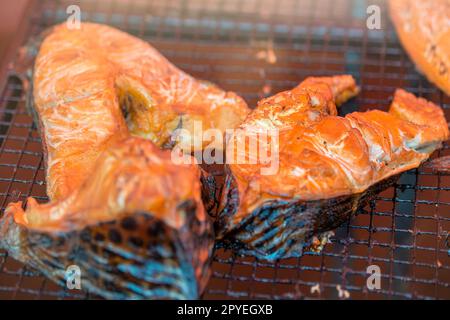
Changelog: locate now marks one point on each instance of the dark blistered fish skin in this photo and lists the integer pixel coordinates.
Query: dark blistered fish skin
(135, 257)
(278, 229)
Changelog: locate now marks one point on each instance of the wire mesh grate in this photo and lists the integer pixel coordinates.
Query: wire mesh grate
(257, 48)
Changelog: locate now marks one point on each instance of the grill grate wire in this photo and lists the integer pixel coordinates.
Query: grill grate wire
(404, 230)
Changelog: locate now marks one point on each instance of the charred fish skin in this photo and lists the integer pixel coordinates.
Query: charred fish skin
(135, 257)
(279, 229)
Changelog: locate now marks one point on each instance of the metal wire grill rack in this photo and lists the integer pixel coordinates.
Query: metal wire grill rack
(257, 48)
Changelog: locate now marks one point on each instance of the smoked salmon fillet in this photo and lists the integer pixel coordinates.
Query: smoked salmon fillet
(327, 166)
(120, 209)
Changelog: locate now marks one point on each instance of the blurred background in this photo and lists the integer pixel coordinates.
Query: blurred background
(12, 15)
(256, 48)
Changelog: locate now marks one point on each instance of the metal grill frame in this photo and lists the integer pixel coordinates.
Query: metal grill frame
(404, 230)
